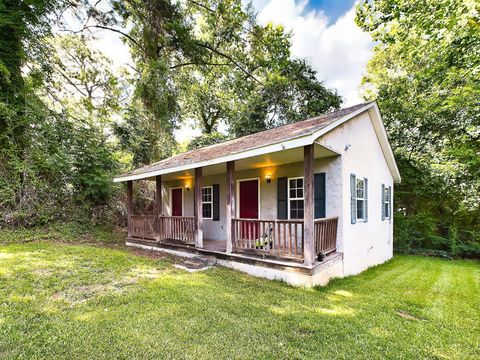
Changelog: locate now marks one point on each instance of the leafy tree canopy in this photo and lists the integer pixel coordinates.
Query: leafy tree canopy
(425, 73)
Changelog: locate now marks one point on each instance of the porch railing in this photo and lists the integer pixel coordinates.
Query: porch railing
(280, 238)
(142, 226)
(277, 238)
(152, 227)
(180, 228)
(326, 235)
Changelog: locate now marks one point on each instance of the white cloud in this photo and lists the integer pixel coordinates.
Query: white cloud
(339, 52)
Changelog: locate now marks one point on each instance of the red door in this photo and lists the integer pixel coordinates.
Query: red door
(248, 209)
(249, 199)
(177, 203)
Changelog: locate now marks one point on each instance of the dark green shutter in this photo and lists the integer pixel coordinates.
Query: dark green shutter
(282, 198)
(319, 195)
(390, 202)
(216, 202)
(365, 203)
(353, 198)
(383, 202)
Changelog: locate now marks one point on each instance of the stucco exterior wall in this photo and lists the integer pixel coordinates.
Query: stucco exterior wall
(215, 230)
(365, 243)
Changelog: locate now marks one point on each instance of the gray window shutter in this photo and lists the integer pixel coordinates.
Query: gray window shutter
(383, 202)
(216, 202)
(390, 202)
(319, 195)
(282, 198)
(353, 198)
(365, 203)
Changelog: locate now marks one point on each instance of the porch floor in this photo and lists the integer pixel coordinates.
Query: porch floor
(218, 248)
(215, 245)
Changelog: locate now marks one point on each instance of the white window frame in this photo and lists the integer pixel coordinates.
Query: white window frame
(360, 198)
(386, 202)
(289, 198)
(171, 200)
(208, 202)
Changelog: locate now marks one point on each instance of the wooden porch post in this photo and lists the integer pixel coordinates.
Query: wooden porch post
(158, 206)
(309, 241)
(129, 207)
(230, 205)
(198, 209)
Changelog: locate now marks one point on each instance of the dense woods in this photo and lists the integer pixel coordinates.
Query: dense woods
(425, 75)
(69, 120)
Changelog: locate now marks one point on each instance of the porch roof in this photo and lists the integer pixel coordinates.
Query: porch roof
(276, 139)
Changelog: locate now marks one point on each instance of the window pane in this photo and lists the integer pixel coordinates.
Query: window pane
(292, 193)
(296, 209)
(359, 209)
(293, 214)
(292, 183)
(300, 193)
(360, 193)
(300, 214)
(207, 210)
(206, 194)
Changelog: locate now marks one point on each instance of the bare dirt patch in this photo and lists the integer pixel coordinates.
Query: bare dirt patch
(406, 315)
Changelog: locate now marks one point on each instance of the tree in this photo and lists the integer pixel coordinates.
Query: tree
(213, 62)
(269, 88)
(424, 73)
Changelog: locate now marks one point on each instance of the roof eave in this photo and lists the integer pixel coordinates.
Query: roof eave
(283, 145)
(303, 140)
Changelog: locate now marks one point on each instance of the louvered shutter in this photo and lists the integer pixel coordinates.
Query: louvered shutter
(282, 198)
(353, 198)
(216, 202)
(319, 195)
(383, 202)
(365, 203)
(390, 202)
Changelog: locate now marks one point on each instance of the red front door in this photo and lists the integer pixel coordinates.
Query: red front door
(249, 199)
(248, 209)
(177, 203)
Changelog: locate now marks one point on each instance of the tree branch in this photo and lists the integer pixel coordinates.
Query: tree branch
(111, 29)
(195, 63)
(202, 6)
(233, 61)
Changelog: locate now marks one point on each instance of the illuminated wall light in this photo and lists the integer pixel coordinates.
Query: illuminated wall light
(187, 187)
(268, 178)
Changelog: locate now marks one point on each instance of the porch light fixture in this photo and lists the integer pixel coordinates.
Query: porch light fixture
(187, 187)
(268, 178)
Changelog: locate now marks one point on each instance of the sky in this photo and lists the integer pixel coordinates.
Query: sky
(323, 31)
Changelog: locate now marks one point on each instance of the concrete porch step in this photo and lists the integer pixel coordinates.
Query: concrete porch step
(197, 263)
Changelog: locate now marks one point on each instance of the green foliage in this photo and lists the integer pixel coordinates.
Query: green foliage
(65, 232)
(425, 75)
(206, 139)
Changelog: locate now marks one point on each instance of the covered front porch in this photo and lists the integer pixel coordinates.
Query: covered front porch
(234, 214)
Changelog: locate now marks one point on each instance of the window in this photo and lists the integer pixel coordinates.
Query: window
(207, 202)
(295, 198)
(360, 194)
(387, 193)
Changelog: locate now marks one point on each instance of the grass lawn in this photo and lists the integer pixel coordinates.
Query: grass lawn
(82, 301)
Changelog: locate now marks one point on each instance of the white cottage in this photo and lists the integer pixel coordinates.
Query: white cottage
(302, 202)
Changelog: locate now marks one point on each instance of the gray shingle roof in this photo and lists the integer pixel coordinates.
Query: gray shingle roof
(249, 142)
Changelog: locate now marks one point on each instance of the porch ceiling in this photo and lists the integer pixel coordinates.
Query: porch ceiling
(256, 162)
